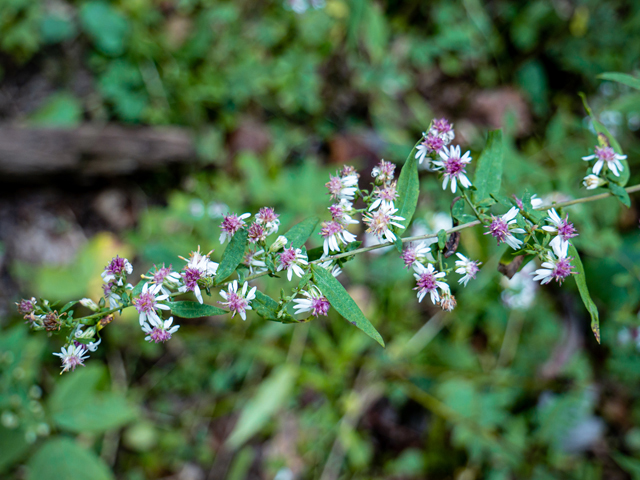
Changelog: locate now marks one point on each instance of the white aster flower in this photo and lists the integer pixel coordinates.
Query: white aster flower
(72, 356)
(147, 304)
(293, 261)
(158, 330)
(381, 221)
(238, 301)
(314, 302)
(428, 281)
(502, 228)
(606, 156)
(334, 234)
(562, 228)
(453, 167)
(467, 268)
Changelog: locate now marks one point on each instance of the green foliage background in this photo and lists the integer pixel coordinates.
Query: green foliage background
(483, 392)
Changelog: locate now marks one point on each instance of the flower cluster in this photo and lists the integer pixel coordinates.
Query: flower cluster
(380, 216)
(439, 135)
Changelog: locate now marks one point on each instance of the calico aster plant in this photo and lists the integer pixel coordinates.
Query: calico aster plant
(530, 230)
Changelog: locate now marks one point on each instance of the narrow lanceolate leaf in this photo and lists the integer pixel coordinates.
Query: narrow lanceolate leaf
(408, 188)
(581, 282)
(343, 303)
(613, 143)
(300, 233)
(488, 177)
(623, 78)
(272, 396)
(232, 256)
(194, 309)
(68, 306)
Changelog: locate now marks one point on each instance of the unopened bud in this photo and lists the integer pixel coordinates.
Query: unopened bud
(25, 307)
(51, 321)
(90, 304)
(593, 181)
(280, 243)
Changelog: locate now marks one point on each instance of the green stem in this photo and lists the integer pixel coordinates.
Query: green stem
(473, 207)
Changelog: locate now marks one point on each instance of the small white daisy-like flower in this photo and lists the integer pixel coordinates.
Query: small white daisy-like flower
(110, 295)
(467, 268)
(432, 143)
(453, 167)
(117, 269)
(381, 221)
(502, 228)
(315, 302)
(441, 128)
(342, 213)
(428, 281)
(562, 228)
(268, 218)
(293, 261)
(72, 356)
(202, 263)
(254, 259)
(238, 301)
(383, 172)
(384, 196)
(606, 156)
(416, 252)
(557, 267)
(231, 224)
(343, 187)
(592, 181)
(159, 330)
(147, 304)
(163, 278)
(334, 234)
(536, 202)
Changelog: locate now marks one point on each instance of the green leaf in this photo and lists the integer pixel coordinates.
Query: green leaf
(63, 459)
(188, 309)
(137, 290)
(300, 233)
(442, 239)
(267, 308)
(271, 396)
(315, 253)
(106, 411)
(77, 406)
(581, 282)
(343, 303)
(68, 306)
(13, 446)
(488, 176)
(620, 193)
(602, 130)
(623, 78)
(408, 188)
(105, 26)
(232, 256)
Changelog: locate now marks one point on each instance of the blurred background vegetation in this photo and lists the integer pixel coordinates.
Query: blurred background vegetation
(272, 97)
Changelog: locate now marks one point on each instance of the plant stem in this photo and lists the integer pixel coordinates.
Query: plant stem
(473, 207)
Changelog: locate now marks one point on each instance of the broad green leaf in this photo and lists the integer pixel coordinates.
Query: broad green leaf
(408, 188)
(77, 406)
(581, 282)
(105, 25)
(232, 256)
(300, 233)
(62, 458)
(76, 388)
(488, 176)
(442, 239)
(623, 78)
(13, 446)
(267, 308)
(601, 129)
(105, 411)
(620, 193)
(188, 309)
(272, 395)
(343, 303)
